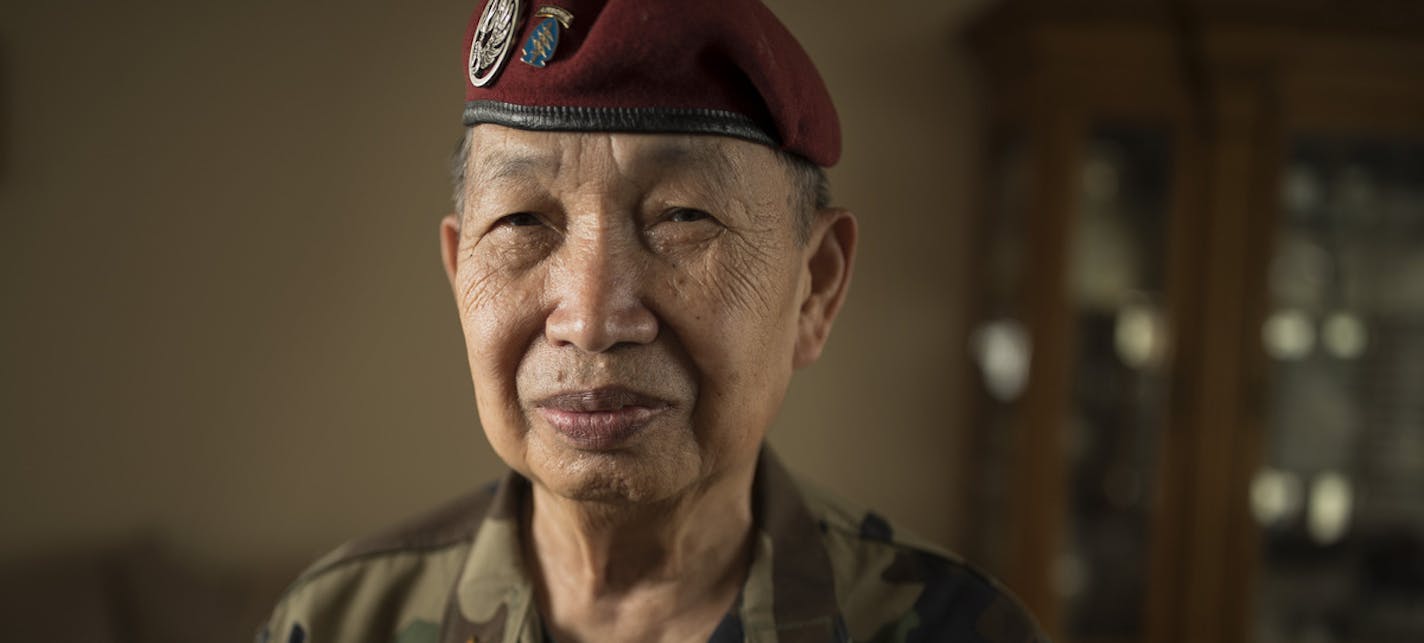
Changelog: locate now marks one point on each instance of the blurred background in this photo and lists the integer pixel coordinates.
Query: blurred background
(1137, 323)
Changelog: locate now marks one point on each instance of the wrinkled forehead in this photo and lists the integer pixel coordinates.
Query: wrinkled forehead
(499, 153)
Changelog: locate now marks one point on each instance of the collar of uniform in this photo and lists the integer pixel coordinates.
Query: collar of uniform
(493, 597)
(790, 586)
(789, 593)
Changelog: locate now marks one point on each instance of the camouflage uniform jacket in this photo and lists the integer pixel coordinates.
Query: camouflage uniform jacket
(819, 572)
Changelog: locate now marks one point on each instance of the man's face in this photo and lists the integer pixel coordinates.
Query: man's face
(633, 305)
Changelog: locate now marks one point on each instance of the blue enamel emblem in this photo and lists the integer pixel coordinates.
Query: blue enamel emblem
(541, 44)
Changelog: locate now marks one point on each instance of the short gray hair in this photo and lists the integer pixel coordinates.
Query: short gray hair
(811, 189)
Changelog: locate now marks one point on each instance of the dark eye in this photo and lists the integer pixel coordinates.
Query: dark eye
(686, 215)
(520, 219)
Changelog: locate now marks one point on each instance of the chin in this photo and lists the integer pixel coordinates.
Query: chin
(640, 474)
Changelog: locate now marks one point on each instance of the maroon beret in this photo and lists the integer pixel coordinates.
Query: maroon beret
(725, 67)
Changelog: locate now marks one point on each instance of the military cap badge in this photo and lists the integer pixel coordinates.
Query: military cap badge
(545, 39)
(493, 37)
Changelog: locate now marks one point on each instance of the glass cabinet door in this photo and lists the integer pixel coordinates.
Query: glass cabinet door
(1110, 415)
(1116, 411)
(1339, 496)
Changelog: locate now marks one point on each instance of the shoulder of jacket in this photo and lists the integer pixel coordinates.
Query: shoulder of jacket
(385, 581)
(892, 580)
(862, 527)
(451, 524)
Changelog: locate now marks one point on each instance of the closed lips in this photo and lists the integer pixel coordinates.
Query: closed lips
(600, 419)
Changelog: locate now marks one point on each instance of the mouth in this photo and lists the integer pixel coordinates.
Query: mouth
(600, 419)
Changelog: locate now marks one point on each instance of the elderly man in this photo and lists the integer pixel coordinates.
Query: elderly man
(641, 255)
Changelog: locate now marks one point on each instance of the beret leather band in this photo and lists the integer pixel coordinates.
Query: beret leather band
(650, 120)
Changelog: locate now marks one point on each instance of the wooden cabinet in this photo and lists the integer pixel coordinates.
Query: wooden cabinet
(1199, 305)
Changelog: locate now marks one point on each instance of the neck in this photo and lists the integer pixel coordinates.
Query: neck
(663, 571)
(691, 544)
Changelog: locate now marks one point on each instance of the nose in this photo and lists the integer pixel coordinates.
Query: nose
(600, 300)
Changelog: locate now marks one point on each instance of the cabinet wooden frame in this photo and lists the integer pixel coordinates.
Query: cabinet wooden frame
(1230, 88)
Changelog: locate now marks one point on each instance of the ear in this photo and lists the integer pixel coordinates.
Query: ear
(450, 245)
(830, 259)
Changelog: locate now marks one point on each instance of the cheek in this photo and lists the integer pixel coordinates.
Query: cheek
(744, 298)
(498, 304)
(500, 316)
(736, 318)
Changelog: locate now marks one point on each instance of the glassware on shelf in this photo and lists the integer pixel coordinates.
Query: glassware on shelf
(1117, 408)
(1340, 494)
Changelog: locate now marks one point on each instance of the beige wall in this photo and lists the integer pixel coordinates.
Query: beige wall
(223, 320)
